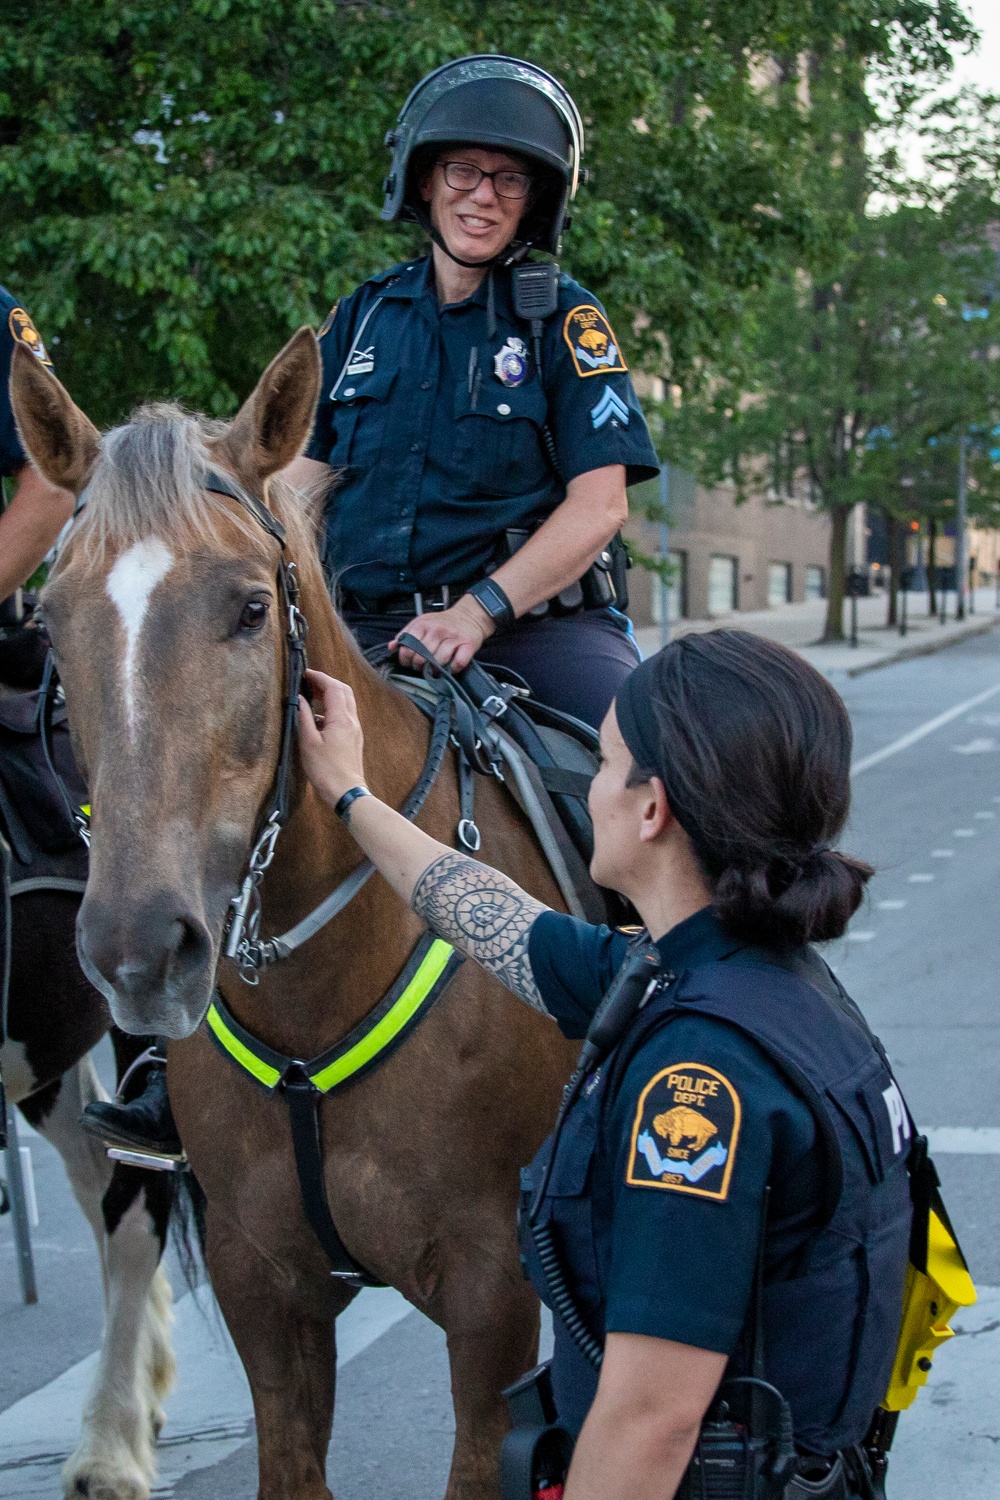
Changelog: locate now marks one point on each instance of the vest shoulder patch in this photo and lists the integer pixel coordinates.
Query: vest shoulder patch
(23, 331)
(687, 1125)
(591, 342)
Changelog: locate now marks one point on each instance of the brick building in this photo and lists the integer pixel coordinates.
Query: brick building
(727, 557)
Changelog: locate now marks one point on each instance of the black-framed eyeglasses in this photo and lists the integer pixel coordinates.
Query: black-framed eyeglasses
(463, 177)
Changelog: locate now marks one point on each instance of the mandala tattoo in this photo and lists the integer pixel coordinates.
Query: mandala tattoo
(484, 915)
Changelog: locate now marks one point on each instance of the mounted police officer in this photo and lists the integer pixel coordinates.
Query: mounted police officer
(726, 1197)
(477, 409)
(479, 419)
(33, 516)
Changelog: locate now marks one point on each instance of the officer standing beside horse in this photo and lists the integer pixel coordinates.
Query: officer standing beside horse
(726, 1197)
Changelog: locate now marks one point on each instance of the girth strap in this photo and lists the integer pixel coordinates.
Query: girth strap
(303, 1099)
(421, 983)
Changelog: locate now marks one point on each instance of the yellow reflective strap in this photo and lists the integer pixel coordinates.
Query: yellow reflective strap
(260, 1070)
(392, 1023)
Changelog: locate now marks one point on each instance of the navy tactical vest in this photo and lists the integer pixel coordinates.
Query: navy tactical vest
(831, 1323)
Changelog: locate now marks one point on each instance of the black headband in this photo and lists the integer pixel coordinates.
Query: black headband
(637, 718)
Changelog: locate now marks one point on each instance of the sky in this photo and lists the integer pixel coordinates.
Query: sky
(983, 66)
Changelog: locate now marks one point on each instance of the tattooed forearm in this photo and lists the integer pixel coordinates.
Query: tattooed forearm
(484, 915)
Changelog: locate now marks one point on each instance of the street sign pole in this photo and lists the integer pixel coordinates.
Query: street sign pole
(19, 1212)
(961, 517)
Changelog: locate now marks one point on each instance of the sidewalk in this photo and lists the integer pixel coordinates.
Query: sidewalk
(801, 625)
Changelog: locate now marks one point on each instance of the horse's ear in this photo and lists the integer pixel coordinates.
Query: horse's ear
(63, 443)
(272, 426)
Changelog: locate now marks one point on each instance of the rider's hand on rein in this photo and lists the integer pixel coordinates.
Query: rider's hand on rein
(453, 635)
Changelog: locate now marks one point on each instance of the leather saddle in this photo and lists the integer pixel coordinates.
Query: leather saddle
(44, 840)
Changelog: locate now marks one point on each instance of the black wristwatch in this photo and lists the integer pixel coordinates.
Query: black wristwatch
(491, 596)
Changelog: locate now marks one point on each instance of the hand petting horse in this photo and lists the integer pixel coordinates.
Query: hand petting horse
(168, 613)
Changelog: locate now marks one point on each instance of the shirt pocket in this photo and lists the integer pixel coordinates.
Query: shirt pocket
(498, 444)
(359, 419)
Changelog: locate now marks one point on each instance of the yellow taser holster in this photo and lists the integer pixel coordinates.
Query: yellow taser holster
(937, 1283)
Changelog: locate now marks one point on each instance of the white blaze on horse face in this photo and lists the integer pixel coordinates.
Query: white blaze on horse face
(130, 585)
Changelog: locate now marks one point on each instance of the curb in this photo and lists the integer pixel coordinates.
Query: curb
(924, 648)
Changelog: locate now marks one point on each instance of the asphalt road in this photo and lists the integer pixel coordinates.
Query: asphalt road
(921, 958)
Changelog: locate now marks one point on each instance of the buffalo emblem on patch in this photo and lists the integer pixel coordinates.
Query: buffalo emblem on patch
(687, 1125)
(591, 342)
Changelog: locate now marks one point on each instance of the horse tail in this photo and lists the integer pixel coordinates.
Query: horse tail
(188, 1227)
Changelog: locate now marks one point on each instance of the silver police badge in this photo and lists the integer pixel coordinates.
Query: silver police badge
(510, 364)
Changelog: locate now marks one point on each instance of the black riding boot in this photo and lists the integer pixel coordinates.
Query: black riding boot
(145, 1124)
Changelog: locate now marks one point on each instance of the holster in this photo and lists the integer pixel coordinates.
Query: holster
(536, 1453)
(604, 584)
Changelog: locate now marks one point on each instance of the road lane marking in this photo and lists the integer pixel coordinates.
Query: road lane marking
(980, 746)
(906, 740)
(209, 1413)
(860, 937)
(942, 854)
(963, 833)
(921, 879)
(985, 815)
(964, 1140)
(891, 905)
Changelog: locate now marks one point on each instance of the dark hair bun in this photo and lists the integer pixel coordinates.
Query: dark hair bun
(792, 901)
(753, 747)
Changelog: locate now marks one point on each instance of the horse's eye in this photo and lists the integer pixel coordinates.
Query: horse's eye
(254, 614)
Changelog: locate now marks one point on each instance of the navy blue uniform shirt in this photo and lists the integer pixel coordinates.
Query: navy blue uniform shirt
(16, 327)
(683, 1248)
(435, 426)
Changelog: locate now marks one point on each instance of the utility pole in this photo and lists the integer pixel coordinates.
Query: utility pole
(961, 517)
(664, 552)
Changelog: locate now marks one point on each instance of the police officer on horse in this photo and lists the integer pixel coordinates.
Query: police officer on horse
(477, 426)
(477, 408)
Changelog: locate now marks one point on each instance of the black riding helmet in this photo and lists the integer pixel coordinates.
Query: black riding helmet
(490, 100)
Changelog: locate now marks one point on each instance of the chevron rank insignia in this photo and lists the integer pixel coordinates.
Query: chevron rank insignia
(687, 1124)
(610, 408)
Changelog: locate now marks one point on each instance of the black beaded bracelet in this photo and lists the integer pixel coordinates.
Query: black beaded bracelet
(348, 798)
(488, 593)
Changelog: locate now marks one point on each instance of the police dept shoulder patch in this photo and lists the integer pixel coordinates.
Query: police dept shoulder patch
(23, 331)
(686, 1128)
(591, 342)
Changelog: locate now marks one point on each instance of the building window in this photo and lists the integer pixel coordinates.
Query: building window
(815, 581)
(779, 583)
(723, 573)
(676, 591)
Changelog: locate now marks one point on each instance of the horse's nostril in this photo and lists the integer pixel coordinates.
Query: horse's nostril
(192, 948)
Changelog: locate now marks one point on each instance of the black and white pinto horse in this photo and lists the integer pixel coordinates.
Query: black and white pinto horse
(54, 1018)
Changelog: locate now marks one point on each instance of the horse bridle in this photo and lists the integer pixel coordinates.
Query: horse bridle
(243, 941)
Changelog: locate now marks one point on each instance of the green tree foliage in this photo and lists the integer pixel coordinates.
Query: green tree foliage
(185, 181)
(854, 383)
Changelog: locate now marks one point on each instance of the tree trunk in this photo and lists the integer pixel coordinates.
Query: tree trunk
(834, 630)
(932, 566)
(893, 538)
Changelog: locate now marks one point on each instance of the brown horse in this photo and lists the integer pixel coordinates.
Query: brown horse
(169, 633)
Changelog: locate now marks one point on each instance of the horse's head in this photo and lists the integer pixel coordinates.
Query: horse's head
(169, 631)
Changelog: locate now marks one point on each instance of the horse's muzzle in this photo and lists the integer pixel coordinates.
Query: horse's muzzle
(153, 961)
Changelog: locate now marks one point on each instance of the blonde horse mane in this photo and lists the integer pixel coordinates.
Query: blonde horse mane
(147, 483)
